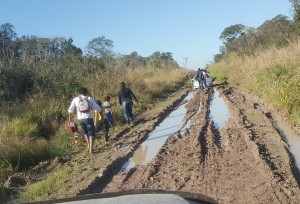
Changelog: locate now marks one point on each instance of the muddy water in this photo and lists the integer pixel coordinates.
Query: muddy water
(188, 124)
(218, 110)
(294, 143)
(293, 140)
(148, 149)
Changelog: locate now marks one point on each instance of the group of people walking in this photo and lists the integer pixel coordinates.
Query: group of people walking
(202, 75)
(89, 113)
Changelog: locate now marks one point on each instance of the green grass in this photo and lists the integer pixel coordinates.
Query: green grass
(51, 185)
(34, 129)
(279, 84)
(3, 194)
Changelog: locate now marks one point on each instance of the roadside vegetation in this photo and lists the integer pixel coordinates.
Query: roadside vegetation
(40, 76)
(263, 61)
(273, 75)
(67, 179)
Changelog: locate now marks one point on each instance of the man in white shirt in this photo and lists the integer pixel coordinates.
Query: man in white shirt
(82, 105)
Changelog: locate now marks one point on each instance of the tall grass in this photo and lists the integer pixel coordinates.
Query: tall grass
(35, 129)
(147, 85)
(3, 194)
(54, 183)
(273, 74)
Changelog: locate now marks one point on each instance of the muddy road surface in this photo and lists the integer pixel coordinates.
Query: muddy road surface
(220, 144)
(246, 160)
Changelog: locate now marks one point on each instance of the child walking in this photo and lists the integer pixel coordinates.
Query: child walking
(102, 123)
(74, 130)
(107, 110)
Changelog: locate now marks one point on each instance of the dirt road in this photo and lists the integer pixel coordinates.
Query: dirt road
(246, 161)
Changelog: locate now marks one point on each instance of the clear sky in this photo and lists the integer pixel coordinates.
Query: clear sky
(187, 28)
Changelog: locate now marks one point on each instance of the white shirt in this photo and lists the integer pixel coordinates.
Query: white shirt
(106, 106)
(83, 115)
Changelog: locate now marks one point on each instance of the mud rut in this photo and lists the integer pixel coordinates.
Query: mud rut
(247, 161)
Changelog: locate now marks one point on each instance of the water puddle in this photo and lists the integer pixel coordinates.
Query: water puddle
(218, 110)
(294, 144)
(188, 124)
(185, 128)
(148, 149)
(293, 141)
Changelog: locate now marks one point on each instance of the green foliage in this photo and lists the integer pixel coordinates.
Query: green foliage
(281, 85)
(67, 48)
(53, 183)
(232, 32)
(295, 115)
(278, 84)
(15, 84)
(3, 194)
(161, 60)
(100, 47)
(38, 82)
(222, 71)
(18, 127)
(23, 153)
(277, 32)
(19, 154)
(296, 9)
(218, 75)
(153, 61)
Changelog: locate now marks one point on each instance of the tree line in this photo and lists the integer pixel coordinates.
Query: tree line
(277, 32)
(30, 64)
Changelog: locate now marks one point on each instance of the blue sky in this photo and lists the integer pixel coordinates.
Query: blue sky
(187, 28)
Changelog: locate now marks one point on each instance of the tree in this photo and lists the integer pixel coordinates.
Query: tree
(133, 60)
(100, 47)
(161, 60)
(277, 31)
(217, 58)
(154, 60)
(232, 32)
(296, 9)
(67, 47)
(9, 46)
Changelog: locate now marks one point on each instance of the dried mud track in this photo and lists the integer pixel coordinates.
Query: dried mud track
(247, 161)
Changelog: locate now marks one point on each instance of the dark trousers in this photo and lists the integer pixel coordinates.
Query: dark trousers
(104, 126)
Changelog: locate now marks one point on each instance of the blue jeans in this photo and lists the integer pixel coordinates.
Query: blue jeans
(109, 118)
(202, 83)
(127, 110)
(87, 126)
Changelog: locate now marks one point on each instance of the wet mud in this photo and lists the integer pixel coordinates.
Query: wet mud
(245, 160)
(244, 154)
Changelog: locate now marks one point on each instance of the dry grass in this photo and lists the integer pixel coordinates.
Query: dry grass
(147, 84)
(35, 129)
(273, 74)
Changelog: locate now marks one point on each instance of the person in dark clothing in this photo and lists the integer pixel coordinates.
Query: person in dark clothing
(102, 123)
(204, 78)
(126, 98)
(105, 128)
(201, 78)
